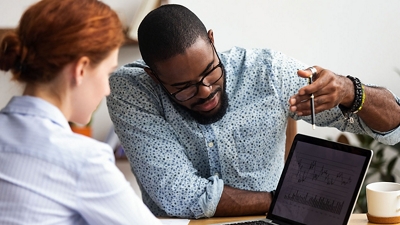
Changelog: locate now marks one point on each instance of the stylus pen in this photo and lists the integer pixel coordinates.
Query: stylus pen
(312, 105)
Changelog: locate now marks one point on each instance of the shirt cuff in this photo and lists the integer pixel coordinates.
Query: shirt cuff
(209, 200)
(391, 137)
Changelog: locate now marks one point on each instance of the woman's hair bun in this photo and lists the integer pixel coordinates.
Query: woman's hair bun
(10, 51)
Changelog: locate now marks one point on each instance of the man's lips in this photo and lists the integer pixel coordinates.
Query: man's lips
(208, 104)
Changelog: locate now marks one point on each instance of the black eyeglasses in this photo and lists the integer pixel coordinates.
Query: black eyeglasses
(210, 78)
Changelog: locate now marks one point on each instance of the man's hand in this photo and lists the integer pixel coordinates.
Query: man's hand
(380, 110)
(329, 91)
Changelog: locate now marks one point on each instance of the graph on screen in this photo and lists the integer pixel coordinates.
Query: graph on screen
(315, 170)
(315, 201)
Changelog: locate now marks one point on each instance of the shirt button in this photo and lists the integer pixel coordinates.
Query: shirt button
(210, 144)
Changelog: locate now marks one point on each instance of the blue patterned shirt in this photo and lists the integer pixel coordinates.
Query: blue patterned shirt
(181, 166)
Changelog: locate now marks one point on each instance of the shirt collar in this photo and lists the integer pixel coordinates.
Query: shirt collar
(35, 106)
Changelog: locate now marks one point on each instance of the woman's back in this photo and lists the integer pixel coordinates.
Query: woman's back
(43, 165)
(63, 51)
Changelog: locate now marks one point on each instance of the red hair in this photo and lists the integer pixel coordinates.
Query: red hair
(54, 33)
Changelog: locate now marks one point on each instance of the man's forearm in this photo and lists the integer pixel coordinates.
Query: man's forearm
(380, 110)
(236, 202)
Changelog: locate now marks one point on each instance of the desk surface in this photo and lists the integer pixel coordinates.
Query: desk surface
(355, 219)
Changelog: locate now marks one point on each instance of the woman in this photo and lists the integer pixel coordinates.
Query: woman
(64, 52)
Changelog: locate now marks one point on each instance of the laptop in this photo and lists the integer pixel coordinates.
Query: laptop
(319, 184)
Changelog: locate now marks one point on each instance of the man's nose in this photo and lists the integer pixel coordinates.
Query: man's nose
(204, 91)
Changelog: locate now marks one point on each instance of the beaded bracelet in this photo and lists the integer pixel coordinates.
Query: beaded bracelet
(362, 100)
(359, 97)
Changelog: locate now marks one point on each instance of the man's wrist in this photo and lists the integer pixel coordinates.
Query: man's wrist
(358, 98)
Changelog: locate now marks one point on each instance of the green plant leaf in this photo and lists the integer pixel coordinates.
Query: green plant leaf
(366, 140)
(387, 178)
(379, 154)
(371, 172)
(390, 166)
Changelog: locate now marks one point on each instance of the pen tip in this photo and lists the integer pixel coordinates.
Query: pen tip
(313, 126)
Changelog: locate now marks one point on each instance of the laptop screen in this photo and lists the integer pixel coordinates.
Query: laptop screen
(320, 182)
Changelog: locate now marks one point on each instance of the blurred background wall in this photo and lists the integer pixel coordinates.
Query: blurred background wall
(358, 37)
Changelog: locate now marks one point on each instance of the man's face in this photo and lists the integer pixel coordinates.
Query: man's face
(199, 61)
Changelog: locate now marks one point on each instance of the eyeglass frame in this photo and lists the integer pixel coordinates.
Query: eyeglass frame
(197, 84)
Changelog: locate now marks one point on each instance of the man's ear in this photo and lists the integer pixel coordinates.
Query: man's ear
(211, 35)
(80, 70)
(151, 74)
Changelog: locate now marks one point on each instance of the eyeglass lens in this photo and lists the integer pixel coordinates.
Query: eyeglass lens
(211, 78)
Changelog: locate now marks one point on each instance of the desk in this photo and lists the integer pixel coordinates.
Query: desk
(355, 219)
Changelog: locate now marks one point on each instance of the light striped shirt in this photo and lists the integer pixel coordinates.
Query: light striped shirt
(49, 175)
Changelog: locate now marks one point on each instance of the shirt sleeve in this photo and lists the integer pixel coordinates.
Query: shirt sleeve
(106, 197)
(158, 160)
(389, 137)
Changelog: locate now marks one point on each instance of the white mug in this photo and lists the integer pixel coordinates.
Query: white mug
(383, 199)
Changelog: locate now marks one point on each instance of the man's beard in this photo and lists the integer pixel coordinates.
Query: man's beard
(208, 119)
(205, 119)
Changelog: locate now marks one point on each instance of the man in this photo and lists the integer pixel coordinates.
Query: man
(205, 131)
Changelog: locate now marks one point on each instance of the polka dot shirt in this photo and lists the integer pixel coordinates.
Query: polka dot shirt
(181, 166)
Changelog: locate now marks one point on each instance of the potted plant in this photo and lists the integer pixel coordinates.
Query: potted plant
(382, 166)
